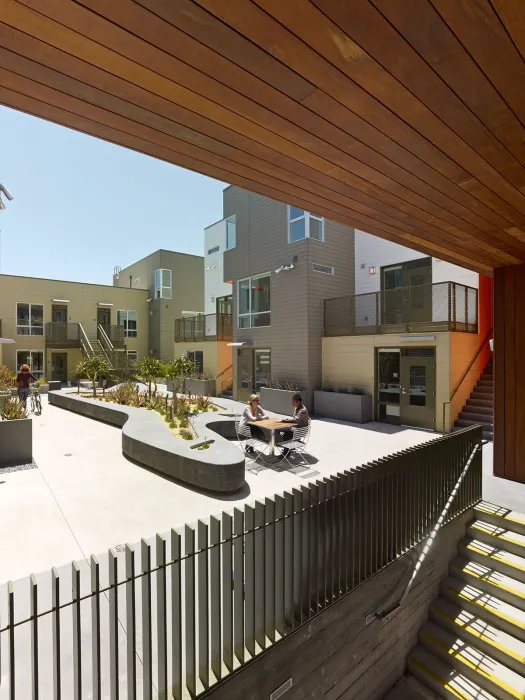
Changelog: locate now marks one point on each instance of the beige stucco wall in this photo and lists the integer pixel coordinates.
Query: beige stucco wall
(82, 308)
(350, 362)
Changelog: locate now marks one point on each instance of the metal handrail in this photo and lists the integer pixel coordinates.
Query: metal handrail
(84, 341)
(465, 373)
(224, 371)
(395, 606)
(106, 338)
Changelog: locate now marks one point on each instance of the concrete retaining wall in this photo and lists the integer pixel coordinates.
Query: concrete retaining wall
(147, 440)
(337, 655)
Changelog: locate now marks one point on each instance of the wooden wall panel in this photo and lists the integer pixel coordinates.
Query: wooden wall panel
(509, 373)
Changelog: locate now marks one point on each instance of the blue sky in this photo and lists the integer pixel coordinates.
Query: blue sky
(82, 206)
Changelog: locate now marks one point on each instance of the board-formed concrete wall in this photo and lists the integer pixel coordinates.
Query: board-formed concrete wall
(338, 655)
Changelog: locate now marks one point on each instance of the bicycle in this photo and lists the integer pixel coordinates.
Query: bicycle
(36, 400)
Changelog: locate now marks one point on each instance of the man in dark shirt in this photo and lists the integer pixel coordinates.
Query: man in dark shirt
(300, 416)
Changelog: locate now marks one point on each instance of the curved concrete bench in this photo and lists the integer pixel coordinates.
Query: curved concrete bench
(146, 439)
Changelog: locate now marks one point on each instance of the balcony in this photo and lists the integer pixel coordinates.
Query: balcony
(115, 334)
(444, 306)
(63, 335)
(203, 327)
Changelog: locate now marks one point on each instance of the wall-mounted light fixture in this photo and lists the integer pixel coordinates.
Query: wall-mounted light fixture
(211, 267)
(61, 301)
(372, 270)
(104, 303)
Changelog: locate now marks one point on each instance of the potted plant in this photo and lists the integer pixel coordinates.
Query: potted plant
(277, 395)
(200, 384)
(16, 433)
(351, 405)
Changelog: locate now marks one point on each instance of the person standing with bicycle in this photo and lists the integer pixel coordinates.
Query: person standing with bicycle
(23, 381)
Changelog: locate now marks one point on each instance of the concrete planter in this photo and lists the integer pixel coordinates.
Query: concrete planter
(57, 386)
(169, 385)
(200, 387)
(44, 389)
(16, 441)
(278, 400)
(353, 408)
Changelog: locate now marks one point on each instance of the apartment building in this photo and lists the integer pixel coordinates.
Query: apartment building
(284, 264)
(175, 285)
(206, 338)
(408, 335)
(55, 323)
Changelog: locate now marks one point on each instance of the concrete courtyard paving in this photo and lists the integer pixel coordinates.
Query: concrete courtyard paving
(85, 496)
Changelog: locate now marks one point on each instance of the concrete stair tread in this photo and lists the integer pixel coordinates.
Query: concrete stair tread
(477, 631)
(481, 417)
(497, 555)
(443, 678)
(478, 666)
(511, 519)
(409, 688)
(472, 408)
(475, 598)
(490, 580)
(501, 535)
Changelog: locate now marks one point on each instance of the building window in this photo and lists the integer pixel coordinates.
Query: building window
(231, 232)
(254, 301)
(214, 250)
(323, 268)
(33, 358)
(130, 322)
(29, 319)
(302, 224)
(262, 367)
(196, 356)
(162, 284)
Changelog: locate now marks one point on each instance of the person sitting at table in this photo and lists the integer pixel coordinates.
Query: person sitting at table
(300, 418)
(253, 412)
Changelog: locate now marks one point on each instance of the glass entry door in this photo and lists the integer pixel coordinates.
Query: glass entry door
(244, 374)
(418, 391)
(59, 366)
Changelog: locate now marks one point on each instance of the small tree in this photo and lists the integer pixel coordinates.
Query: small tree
(177, 370)
(93, 367)
(80, 373)
(149, 369)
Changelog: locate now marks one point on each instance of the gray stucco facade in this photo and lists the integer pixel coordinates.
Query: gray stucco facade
(294, 336)
(187, 294)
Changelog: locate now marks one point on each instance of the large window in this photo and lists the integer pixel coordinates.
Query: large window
(302, 224)
(231, 232)
(129, 320)
(196, 356)
(33, 358)
(162, 284)
(254, 301)
(262, 366)
(29, 319)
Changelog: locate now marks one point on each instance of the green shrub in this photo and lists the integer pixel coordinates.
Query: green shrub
(13, 409)
(124, 394)
(186, 434)
(6, 378)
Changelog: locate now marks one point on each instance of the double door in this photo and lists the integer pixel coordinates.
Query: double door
(406, 386)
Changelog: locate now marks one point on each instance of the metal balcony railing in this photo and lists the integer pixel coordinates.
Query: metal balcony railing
(443, 306)
(63, 335)
(203, 327)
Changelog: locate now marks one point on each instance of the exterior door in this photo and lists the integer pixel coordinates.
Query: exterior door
(59, 366)
(262, 368)
(418, 391)
(104, 317)
(417, 278)
(59, 320)
(244, 374)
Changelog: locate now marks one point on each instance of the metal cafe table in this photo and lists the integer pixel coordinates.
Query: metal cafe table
(269, 426)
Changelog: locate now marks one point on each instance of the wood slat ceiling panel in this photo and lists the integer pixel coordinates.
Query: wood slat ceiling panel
(388, 115)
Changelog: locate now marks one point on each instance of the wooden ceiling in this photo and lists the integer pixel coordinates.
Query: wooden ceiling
(404, 118)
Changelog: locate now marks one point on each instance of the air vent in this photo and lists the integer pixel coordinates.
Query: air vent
(418, 352)
(281, 690)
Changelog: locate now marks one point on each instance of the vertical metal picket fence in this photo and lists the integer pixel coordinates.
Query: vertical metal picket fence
(173, 616)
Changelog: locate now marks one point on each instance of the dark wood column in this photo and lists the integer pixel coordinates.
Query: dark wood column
(509, 372)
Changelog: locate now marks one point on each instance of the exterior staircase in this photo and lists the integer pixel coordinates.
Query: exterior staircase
(479, 409)
(99, 351)
(473, 645)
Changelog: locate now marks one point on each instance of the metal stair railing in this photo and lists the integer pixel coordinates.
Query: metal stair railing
(85, 345)
(384, 614)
